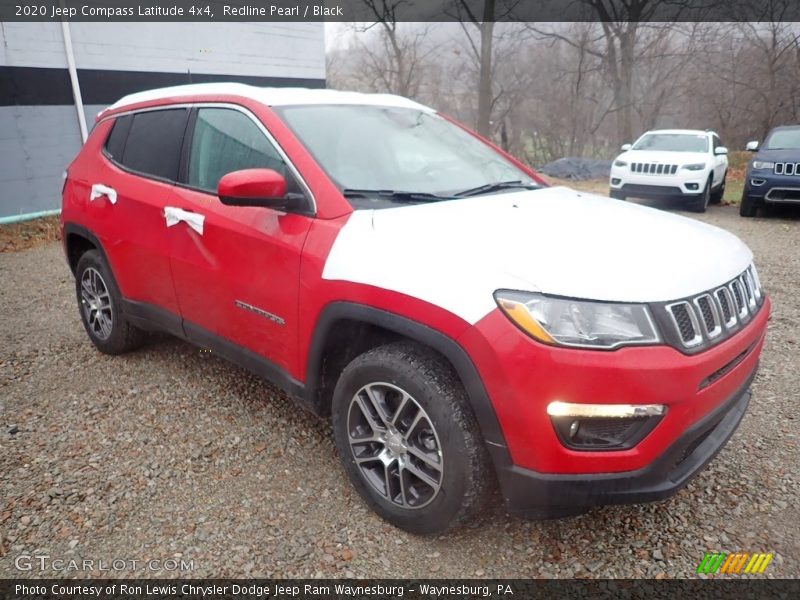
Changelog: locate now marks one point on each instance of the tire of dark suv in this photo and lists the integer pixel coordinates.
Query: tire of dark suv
(748, 206)
(701, 202)
(99, 302)
(408, 439)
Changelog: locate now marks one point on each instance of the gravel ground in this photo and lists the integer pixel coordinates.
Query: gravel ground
(170, 453)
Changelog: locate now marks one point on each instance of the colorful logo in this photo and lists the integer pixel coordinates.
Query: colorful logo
(736, 563)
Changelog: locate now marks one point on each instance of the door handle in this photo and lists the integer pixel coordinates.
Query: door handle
(99, 190)
(174, 215)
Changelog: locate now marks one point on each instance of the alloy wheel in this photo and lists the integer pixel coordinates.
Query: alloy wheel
(96, 303)
(395, 445)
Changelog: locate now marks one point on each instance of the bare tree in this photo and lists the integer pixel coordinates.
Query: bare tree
(392, 60)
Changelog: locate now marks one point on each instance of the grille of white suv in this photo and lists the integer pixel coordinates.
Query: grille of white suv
(708, 317)
(653, 168)
(786, 168)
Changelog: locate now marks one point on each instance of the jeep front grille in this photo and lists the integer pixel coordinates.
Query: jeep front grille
(786, 168)
(653, 168)
(709, 317)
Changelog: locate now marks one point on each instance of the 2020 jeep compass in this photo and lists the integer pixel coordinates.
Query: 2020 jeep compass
(461, 322)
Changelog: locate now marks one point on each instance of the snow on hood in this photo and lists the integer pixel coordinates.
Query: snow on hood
(455, 254)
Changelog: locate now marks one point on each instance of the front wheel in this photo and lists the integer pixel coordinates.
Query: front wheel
(700, 204)
(408, 440)
(748, 206)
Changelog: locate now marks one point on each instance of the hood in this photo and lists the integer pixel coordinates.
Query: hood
(455, 254)
(658, 156)
(778, 155)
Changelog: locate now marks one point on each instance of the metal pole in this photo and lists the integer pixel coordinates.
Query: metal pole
(73, 76)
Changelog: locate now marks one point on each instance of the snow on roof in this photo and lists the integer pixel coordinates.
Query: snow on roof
(682, 131)
(270, 96)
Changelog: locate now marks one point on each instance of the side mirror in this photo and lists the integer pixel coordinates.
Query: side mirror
(752, 146)
(720, 150)
(255, 187)
(625, 147)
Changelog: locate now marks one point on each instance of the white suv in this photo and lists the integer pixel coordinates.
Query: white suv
(672, 163)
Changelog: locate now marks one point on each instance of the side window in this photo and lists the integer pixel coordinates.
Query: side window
(115, 144)
(717, 142)
(226, 140)
(154, 142)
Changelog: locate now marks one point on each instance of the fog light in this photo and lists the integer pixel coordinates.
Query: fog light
(603, 426)
(615, 180)
(692, 186)
(573, 429)
(757, 182)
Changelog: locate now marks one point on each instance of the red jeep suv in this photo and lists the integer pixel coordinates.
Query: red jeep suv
(462, 323)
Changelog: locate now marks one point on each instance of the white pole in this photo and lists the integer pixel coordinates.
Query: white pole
(73, 76)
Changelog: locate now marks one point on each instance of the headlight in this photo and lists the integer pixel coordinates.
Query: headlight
(694, 167)
(763, 164)
(620, 163)
(579, 323)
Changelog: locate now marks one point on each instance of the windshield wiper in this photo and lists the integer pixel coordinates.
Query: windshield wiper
(394, 195)
(496, 186)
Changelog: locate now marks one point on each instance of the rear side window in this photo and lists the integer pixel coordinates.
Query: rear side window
(153, 145)
(224, 141)
(115, 144)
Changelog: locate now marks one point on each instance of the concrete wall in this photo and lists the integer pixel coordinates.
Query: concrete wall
(39, 133)
(261, 49)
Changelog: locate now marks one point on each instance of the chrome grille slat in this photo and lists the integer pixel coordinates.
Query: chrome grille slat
(686, 322)
(654, 168)
(712, 315)
(786, 168)
(738, 298)
(749, 290)
(723, 296)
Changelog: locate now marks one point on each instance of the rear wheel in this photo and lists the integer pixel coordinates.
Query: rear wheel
(716, 195)
(99, 301)
(408, 440)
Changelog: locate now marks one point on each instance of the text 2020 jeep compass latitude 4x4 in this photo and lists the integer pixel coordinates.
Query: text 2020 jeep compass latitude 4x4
(461, 322)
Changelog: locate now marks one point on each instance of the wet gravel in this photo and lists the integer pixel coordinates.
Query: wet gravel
(169, 453)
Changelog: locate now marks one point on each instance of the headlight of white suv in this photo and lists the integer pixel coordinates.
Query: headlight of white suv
(763, 164)
(694, 167)
(620, 163)
(578, 323)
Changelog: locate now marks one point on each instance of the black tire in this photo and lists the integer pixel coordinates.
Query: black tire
(748, 206)
(616, 194)
(716, 195)
(701, 202)
(101, 313)
(465, 477)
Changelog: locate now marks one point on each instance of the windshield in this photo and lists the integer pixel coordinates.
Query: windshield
(673, 142)
(783, 139)
(366, 148)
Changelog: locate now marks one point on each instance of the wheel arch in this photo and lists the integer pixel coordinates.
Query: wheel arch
(77, 241)
(365, 327)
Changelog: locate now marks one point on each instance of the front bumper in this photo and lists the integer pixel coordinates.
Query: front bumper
(532, 494)
(763, 185)
(683, 183)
